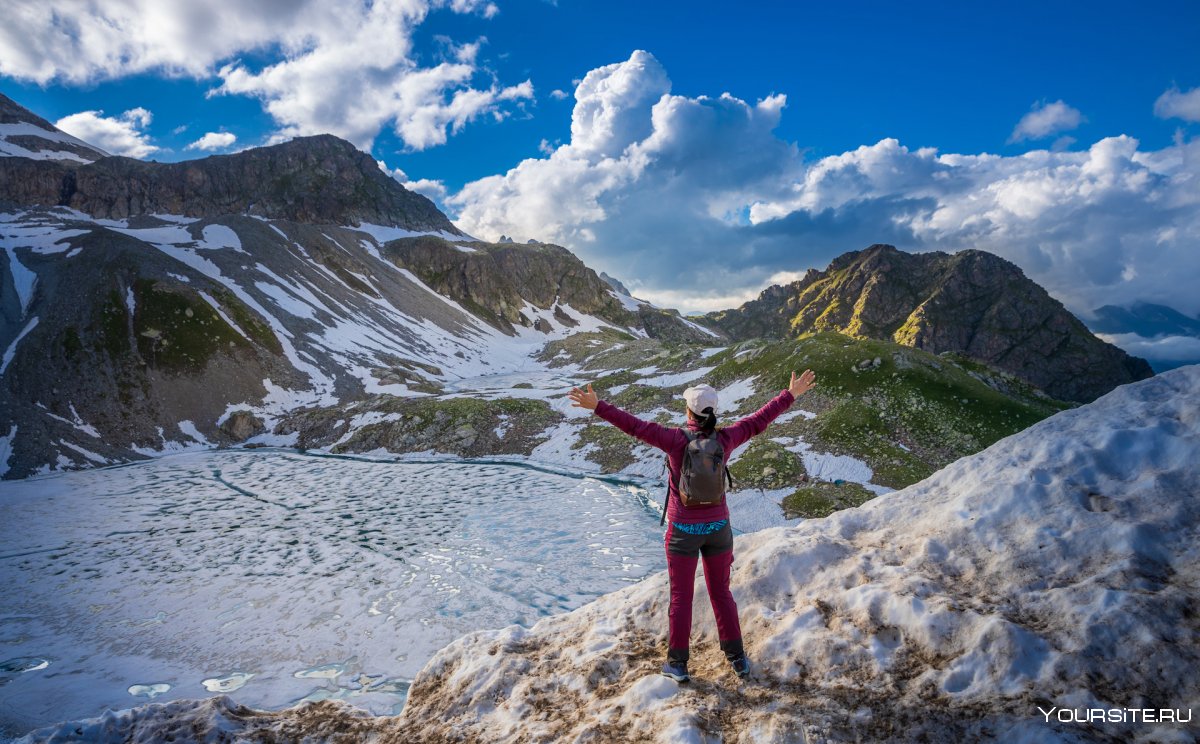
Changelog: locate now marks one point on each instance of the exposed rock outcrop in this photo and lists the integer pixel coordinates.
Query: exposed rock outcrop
(466, 427)
(614, 283)
(495, 280)
(241, 425)
(971, 302)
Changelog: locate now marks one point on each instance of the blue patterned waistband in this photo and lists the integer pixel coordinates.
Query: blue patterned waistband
(701, 528)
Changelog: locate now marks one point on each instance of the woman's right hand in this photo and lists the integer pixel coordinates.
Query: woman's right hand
(802, 384)
(584, 398)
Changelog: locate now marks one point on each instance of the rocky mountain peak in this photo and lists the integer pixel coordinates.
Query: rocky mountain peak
(873, 255)
(615, 283)
(12, 112)
(972, 302)
(24, 134)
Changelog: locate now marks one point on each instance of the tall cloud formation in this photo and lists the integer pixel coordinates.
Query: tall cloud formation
(697, 204)
(346, 69)
(652, 187)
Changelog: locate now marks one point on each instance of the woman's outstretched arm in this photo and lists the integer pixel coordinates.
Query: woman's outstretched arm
(655, 435)
(756, 423)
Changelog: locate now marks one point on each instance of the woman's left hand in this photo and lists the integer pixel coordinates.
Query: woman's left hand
(584, 398)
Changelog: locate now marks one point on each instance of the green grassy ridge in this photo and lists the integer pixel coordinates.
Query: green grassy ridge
(176, 330)
(932, 404)
(178, 333)
(421, 408)
(434, 422)
(614, 352)
(939, 407)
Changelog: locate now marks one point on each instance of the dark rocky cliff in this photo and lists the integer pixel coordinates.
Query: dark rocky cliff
(320, 179)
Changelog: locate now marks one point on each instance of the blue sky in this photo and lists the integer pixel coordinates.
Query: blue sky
(1060, 136)
(956, 76)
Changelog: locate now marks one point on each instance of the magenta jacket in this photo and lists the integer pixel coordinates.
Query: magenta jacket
(673, 441)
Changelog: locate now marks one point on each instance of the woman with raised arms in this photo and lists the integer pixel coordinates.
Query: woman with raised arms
(698, 516)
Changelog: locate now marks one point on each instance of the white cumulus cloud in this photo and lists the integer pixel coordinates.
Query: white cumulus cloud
(646, 177)
(1174, 104)
(1044, 120)
(695, 203)
(119, 135)
(344, 68)
(213, 141)
(433, 188)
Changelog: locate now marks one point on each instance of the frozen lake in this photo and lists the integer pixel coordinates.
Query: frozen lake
(280, 576)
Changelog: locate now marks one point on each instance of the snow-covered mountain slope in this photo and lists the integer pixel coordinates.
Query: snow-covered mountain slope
(24, 134)
(161, 329)
(1053, 577)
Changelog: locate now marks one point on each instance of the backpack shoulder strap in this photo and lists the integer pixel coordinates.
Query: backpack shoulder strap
(667, 498)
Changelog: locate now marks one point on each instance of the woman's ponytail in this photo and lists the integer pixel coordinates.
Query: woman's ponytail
(708, 424)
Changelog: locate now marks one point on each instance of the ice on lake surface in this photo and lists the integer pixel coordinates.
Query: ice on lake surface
(286, 576)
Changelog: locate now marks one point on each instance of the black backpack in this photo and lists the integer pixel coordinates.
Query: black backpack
(702, 474)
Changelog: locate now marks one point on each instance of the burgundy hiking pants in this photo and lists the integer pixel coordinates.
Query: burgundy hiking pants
(684, 550)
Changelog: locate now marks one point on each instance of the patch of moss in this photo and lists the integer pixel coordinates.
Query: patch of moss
(614, 448)
(821, 498)
(766, 464)
(523, 407)
(71, 343)
(462, 410)
(607, 382)
(641, 398)
(245, 318)
(112, 335)
(177, 332)
(590, 348)
(434, 423)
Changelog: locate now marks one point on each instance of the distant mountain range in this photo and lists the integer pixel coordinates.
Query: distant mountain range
(283, 293)
(1145, 319)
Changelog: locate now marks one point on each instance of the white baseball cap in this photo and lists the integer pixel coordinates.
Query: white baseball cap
(700, 397)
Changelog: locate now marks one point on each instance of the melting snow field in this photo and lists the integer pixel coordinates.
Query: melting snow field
(283, 577)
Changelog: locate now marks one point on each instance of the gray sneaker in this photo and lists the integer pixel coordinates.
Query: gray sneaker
(676, 670)
(741, 666)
